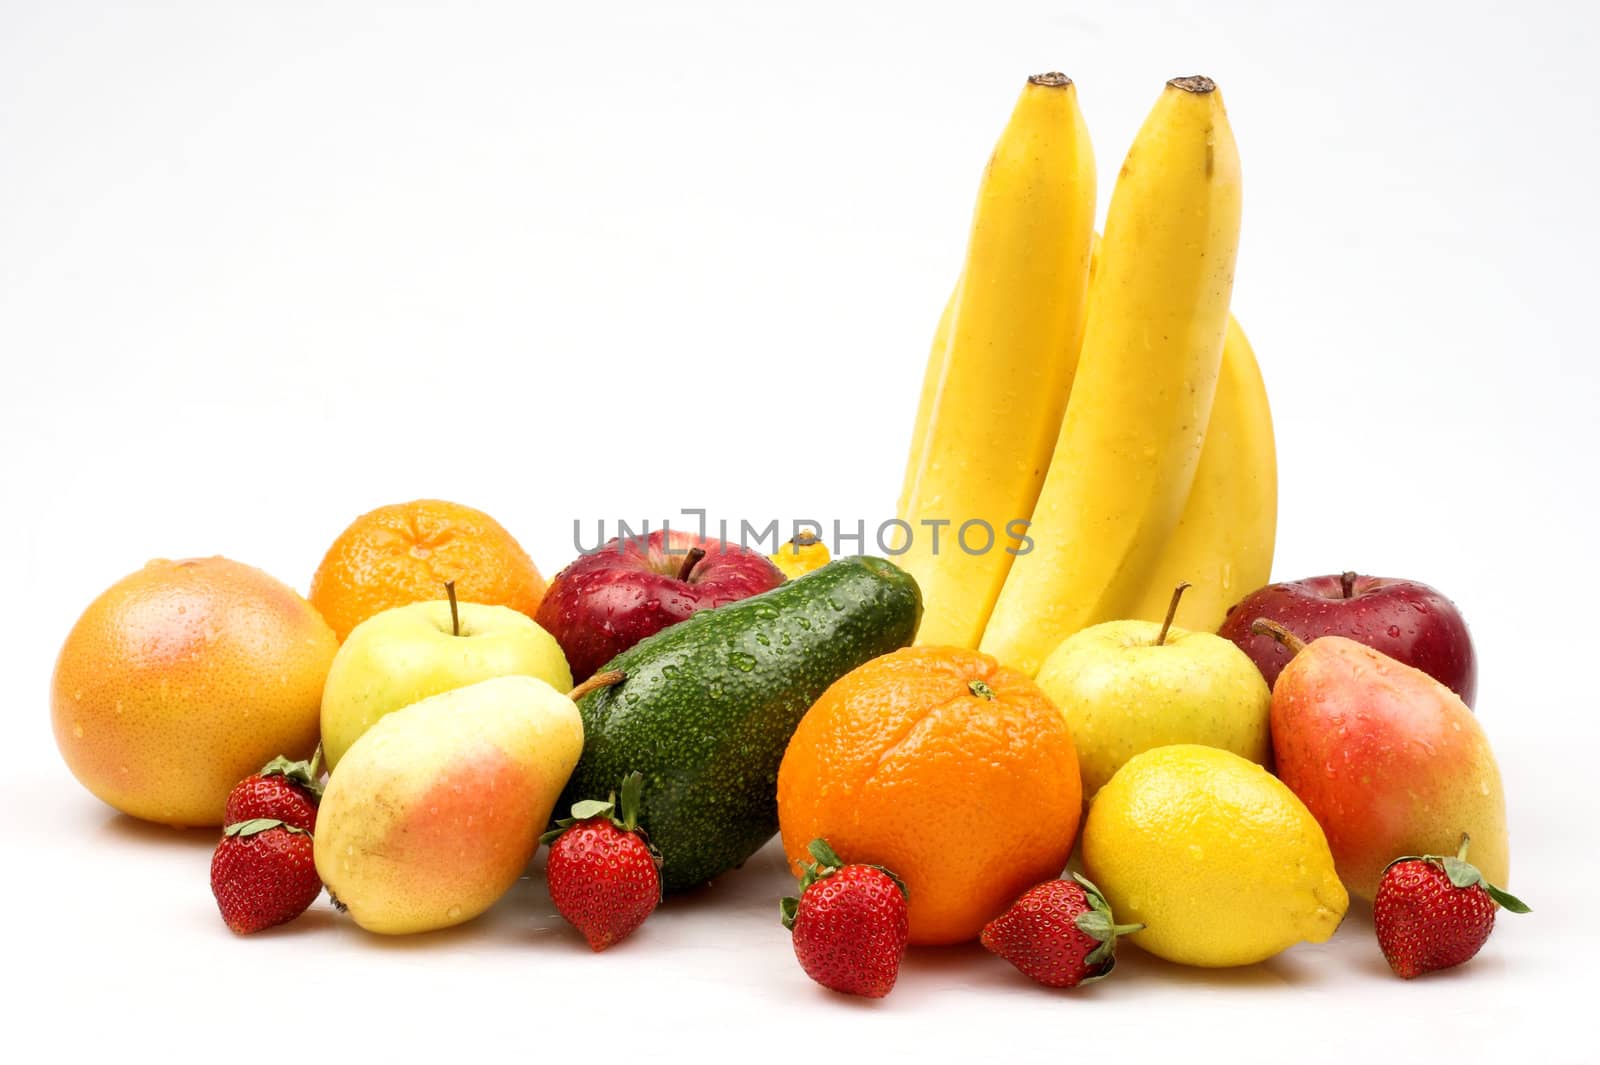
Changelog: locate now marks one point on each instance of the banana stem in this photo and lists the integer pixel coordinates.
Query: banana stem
(1198, 84)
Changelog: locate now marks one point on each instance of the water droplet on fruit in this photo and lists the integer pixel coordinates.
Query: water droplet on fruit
(77, 732)
(1394, 632)
(1483, 787)
(744, 663)
(453, 912)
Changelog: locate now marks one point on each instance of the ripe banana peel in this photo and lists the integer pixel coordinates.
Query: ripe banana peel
(996, 388)
(1223, 543)
(1147, 372)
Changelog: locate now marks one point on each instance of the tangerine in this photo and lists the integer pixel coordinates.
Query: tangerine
(405, 552)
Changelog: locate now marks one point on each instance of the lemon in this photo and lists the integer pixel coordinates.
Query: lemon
(1214, 855)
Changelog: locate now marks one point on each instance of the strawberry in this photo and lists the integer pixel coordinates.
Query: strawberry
(283, 791)
(1060, 933)
(604, 876)
(1434, 912)
(263, 874)
(849, 924)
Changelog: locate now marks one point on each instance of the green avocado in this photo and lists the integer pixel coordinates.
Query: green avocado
(705, 708)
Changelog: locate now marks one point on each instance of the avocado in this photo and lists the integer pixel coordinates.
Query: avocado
(706, 708)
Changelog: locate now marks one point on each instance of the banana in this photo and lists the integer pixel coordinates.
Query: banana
(1146, 376)
(1223, 543)
(930, 388)
(1001, 383)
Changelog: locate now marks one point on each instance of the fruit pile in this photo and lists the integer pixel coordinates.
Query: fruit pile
(1075, 673)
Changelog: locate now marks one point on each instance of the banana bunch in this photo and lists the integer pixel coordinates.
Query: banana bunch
(1102, 395)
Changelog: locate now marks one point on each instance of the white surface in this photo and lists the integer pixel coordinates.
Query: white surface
(261, 270)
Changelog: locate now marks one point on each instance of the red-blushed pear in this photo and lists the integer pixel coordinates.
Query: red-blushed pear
(433, 813)
(1388, 760)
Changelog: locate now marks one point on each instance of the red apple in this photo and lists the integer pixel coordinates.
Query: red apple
(1406, 620)
(606, 602)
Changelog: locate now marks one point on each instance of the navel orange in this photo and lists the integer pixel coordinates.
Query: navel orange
(939, 764)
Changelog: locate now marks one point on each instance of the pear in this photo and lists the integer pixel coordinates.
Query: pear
(435, 811)
(1389, 761)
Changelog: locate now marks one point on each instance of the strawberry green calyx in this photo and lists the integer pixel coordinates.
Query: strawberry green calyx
(1463, 874)
(623, 813)
(1097, 923)
(824, 864)
(307, 774)
(257, 825)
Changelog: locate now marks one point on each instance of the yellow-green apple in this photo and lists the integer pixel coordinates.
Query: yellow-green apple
(1128, 686)
(407, 653)
(1406, 620)
(633, 587)
(1388, 760)
(433, 814)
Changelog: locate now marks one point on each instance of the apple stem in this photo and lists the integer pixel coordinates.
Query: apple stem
(455, 615)
(315, 769)
(690, 561)
(596, 682)
(1347, 582)
(1268, 627)
(1172, 611)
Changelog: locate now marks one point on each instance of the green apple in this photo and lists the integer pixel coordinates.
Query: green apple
(1128, 686)
(399, 656)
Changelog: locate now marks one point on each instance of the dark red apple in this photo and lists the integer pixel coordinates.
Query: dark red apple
(606, 602)
(1406, 620)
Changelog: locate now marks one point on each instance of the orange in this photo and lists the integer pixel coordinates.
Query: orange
(184, 678)
(939, 764)
(405, 552)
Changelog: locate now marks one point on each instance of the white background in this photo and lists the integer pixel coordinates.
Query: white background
(262, 269)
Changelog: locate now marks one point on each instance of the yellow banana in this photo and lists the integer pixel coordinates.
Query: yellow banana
(930, 388)
(1147, 373)
(1223, 543)
(998, 393)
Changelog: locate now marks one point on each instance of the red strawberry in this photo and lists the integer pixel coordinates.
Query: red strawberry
(1060, 933)
(1434, 912)
(849, 924)
(283, 791)
(604, 876)
(263, 874)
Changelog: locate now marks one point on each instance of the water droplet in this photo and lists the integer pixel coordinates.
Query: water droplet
(744, 663)
(77, 732)
(453, 912)
(1394, 632)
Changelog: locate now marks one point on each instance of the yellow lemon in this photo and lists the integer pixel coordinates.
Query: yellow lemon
(1214, 855)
